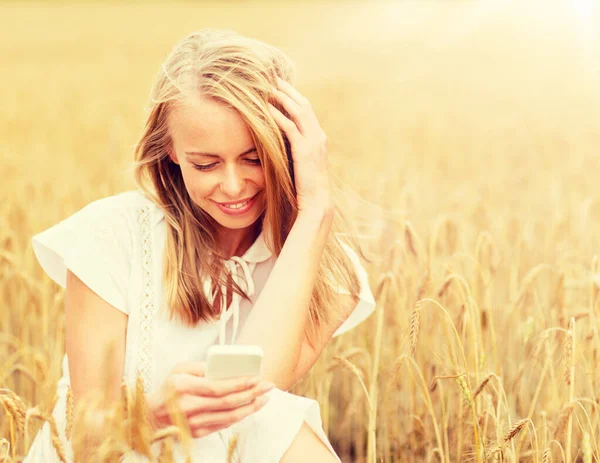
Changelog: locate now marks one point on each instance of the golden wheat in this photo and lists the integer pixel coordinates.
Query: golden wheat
(470, 130)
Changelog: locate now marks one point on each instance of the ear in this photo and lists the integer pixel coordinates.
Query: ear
(173, 155)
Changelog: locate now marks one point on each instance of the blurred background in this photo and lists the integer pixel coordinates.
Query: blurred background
(465, 134)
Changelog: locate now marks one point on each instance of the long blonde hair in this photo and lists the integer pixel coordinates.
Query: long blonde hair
(238, 72)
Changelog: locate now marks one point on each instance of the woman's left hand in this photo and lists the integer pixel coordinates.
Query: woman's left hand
(309, 148)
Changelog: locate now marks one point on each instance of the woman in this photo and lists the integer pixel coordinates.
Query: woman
(227, 240)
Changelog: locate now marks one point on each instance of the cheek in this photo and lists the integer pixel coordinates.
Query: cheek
(259, 178)
(198, 185)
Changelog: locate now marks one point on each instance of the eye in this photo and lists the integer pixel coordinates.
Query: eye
(254, 161)
(205, 166)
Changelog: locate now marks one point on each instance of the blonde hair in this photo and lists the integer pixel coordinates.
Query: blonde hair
(238, 72)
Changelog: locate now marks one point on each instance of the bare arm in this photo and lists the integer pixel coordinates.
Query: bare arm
(92, 327)
(278, 319)
(308, 353)
(92, 324)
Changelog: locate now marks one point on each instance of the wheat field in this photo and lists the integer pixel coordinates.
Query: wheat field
(465, 135)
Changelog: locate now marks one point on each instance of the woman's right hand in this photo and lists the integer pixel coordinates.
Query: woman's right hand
(309, 148)
(208, 405)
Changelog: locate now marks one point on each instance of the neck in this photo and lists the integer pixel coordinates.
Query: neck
(236, 242)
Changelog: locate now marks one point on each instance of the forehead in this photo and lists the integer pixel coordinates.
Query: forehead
(205, 124)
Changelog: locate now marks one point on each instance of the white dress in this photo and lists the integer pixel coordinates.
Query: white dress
(115, 246)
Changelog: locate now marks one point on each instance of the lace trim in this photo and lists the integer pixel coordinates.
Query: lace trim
(144, 364)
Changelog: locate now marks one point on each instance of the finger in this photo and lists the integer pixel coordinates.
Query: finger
(289, 127)
(205, 431)
(227, 418)
(192, 368)
(291, 91)
(220, 387)
(296, 112)
(194, 405)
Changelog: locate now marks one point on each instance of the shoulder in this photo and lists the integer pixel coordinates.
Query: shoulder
(110, 225)
(121, 214)
(125, 204)
(97, 243)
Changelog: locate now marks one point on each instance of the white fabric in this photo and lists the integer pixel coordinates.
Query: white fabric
(366, 302)
(115, 246)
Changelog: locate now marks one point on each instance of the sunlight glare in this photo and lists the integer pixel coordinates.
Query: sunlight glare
(584, 8)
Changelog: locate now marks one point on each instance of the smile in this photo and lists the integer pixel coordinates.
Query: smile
(239, 207)
(236, 205)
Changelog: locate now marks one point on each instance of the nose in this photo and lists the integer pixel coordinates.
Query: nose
(232, 183)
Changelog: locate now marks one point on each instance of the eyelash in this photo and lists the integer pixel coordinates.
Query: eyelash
(254, 162)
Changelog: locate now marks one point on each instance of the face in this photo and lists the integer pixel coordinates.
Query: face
(219, 163)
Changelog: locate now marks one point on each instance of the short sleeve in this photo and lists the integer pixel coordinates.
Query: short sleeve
(95, 243)
(366, 302)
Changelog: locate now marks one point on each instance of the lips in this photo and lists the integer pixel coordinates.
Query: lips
(235, 202)
(247, 204)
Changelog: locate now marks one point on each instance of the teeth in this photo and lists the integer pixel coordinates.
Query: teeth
(236, 206)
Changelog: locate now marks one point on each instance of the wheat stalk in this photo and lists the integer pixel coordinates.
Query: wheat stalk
(415, 326)
(14, 407)
(69, 413)
(231, 448)
(55, 436)
(547, 456)
(4, 445)
(410, 237)
(563, 418)
(166, 452)
(586, 448)
(512, 432)
(570, 356)
(482, 385)
(359, 375)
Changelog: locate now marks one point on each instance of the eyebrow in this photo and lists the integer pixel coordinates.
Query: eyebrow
(212, 155)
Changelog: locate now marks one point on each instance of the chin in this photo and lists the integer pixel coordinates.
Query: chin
(235, 224)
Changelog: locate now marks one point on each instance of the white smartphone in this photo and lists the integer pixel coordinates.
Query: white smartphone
(232, 361)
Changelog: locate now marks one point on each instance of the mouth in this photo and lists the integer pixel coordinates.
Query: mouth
(237, 207)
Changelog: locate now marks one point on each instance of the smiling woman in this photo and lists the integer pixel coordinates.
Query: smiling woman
(220, 168)
(219, 238)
